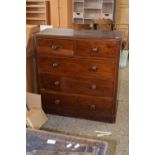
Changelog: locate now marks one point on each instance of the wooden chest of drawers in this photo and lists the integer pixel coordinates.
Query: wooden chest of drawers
(78, 72)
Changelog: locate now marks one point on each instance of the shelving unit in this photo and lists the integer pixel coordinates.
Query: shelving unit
(37, 12)
(78, 11)
(122, 19)
(86, 11)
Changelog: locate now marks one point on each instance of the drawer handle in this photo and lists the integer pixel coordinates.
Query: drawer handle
(106, 14)
(93, 86)
(55, 47)
(93, 69)
(56, 83)
(57, 102)
(93, 107)
(94, 49)
(55, 65)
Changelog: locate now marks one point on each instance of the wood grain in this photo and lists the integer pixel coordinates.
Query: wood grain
(75, 105)
(87, 86)
(31, 85)
(79, 79)
(77, 67)
(55, 46)
(104, 49)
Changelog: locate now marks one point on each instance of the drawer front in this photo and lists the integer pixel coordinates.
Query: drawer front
(74, 85)
(77, 67)
(59, 103)
(93, 115)
(93, 48)
(55, 47)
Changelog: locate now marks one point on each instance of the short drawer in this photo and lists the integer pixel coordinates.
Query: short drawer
(107, 16)
(77, 67)
(57, 102)
(55, 47)
(96, 48)
(78, 14)
(87, 86)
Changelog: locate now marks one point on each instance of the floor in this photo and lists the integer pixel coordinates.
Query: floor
(119, 130)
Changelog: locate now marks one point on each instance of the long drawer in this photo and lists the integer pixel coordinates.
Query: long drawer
(77, 67)
(77, 102)
(87, 86)
(55, 46)
(84, 114)
(96, 48)
(76, 106)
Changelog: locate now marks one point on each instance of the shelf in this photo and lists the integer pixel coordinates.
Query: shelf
(35, 12)
(35, 6)
(93, 8)
(78, 1)
(36, 1)
(89, 18)
(112, 1)
(88, 21)
(108, 2)
(78, 12)
(77, 18)
(35, 18)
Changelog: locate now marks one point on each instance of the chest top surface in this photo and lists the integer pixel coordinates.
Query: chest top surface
(87, 34)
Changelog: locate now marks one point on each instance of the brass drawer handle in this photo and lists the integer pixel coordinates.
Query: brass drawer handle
(93, 69)
(56, 83)
(92, 107)
(55, 65)
(94, 49)
(55, 47)
(93, 86)
(57, 101)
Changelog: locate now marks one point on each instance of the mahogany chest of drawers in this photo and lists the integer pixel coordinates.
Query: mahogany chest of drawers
(78, 72)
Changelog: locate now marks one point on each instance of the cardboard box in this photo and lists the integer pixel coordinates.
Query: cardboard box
(35, 116)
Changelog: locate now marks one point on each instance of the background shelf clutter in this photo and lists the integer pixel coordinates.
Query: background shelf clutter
(86, 11)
